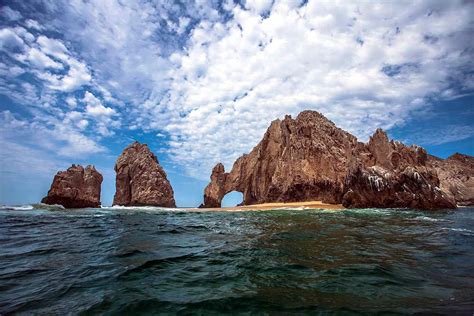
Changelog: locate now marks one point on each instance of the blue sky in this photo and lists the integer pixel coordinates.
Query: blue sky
(200, 81)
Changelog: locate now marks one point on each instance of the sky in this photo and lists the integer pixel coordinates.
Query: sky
(200, 81)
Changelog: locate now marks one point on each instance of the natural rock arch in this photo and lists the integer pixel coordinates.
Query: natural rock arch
(232, 199)
(221, 184)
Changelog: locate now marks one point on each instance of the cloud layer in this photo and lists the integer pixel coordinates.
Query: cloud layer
(208, 77)
(363, 65)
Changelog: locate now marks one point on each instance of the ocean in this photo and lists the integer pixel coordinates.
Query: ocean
(151, 261)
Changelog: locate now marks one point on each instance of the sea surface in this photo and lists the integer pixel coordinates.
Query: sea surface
(145, 261)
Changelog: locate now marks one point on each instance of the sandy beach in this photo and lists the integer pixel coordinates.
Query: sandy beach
(269, 206)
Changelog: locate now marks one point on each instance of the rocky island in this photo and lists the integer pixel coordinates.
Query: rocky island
(140, 179)
(75, 188)
(310, 158)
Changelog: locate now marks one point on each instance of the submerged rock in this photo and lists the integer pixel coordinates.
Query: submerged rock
(75, 188)
(310, 158)
(141, 180)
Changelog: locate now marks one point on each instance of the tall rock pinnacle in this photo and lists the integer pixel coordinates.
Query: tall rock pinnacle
(141, 180)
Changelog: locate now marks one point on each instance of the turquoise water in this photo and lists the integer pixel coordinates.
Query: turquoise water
(153, 261)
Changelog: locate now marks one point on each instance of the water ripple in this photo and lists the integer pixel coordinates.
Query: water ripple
(154, 260)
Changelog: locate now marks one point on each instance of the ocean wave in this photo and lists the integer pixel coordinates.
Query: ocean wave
(428, 219)
(460, 230)
(139, 208)
(17, 207)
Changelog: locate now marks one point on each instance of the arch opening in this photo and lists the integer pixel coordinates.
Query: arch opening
(232, 198)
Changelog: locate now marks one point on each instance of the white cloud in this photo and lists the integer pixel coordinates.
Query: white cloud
(53, 47)
(38, 59)
(119, 42)
(10, 14)
(183, 24)
(48, 134)
(77, 76)
(46, 53)
(95, 108)
(9, 40)
(105, 117)
(71, 102)
(259, 6)
(82, 124)
(76, 119)
(33, 24)
(10, 70)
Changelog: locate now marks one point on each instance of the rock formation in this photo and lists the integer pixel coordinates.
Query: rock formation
(309, 158)
(390, 174)
(141, 180)
(75, 188)
(456, 176)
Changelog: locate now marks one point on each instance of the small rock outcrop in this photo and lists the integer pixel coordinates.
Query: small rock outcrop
(456, 176)
(75, 188)
(140, 179)
(310, 158)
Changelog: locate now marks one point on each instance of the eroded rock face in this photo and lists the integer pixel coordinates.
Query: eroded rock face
(309, 158)
(75, 188)
(456, 176)
(140, 179)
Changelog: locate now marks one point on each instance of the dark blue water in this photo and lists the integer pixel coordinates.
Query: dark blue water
(151, 261)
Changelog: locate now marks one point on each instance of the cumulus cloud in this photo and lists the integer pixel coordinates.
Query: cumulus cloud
(10, 14)
(103, 116)
(43, 55)
(10, 70)
(38, 59)
(33, 24)
(49, 134)
(77, 76)
(71, 102)
(259, 6)
(9, 40)
(95, 108)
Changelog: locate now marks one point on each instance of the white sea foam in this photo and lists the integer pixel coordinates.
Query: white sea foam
(140, 208)
(428, 219)
(461, 230)
(17, 207)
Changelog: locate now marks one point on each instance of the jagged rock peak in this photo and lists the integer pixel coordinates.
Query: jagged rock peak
(461, 157)
(217, 170)
(380, 136)
(75, 188)
(140, 179)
